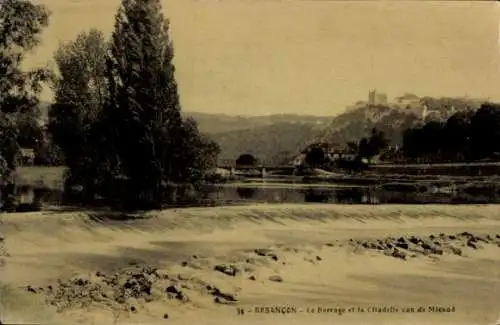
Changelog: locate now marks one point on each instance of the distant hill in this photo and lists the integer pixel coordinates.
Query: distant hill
(270, 137)
(393, 118)
(220, 123)
(280, 137)
(274, 143)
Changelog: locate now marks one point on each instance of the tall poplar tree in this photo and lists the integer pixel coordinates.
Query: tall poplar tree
(149, 134)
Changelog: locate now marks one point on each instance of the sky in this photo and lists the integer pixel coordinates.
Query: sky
(314, 57)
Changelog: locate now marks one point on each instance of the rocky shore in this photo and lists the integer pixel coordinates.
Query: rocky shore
(130, 290)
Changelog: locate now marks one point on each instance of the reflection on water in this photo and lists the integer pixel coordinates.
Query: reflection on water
(275, 192)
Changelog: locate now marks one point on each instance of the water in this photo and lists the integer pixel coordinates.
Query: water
(289, 191)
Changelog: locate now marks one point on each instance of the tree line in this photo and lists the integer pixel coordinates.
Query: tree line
(116, 116)
(466, 136)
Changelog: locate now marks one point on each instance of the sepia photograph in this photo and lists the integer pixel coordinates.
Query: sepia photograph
(249, 162)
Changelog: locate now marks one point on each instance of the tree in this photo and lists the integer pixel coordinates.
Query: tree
(364, 148)
(80, 93)
(456, 142)
(30, 133)
(315, 157)
(352, 146)
(377, 142)
(200, 153)
(425, 142)
(412, 146)
(142, 120)
(432, 137)
(48, 154)
(145, 102)
(246, 159)
(21, 23)
(485, 131)
(372, 146)
(466, 135)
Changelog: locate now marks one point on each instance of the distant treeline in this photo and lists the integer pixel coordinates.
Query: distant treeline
(464, 137)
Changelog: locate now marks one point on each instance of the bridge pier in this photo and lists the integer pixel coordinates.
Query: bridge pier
(263, 172)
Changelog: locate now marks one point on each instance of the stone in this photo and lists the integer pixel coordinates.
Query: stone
(173, 289)
(414, 240)
(472, 244)
(402, 245)
(399, 254)
(466, 234)
(227, 269)
(426, 246)
(276, 278)
(456, 251)
(29, 288)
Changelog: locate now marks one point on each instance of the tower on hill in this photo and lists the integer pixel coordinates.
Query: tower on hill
(375, 98)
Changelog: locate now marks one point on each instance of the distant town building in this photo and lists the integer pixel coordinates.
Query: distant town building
(407, 98)
(375, 98)
(335, 151)
(371, 97)
(425, 111)
(381, 99)
(299, 160)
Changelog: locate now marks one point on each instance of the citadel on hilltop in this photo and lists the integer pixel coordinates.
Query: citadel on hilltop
(375, 98)
(424, 107)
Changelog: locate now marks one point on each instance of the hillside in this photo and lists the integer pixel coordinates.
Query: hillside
(221, 123)
(276, 137)
(393, 118)
(271, 143)
(267, 137)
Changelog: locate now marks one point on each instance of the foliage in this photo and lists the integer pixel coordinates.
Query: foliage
(465, 136)
(277, 142)
(21, 23)
(30, 133)
(315, 157)
(372, 146)
(80, 93)
(145, 103)
(119, 122)
(406, 112)
(48, 154)
(246, 160)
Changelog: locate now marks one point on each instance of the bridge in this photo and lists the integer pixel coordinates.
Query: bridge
(262, 169)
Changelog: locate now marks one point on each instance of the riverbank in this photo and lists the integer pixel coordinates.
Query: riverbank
(204, 263)
(53, 177)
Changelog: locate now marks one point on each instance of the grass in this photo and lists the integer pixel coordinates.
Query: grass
(40, 177)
